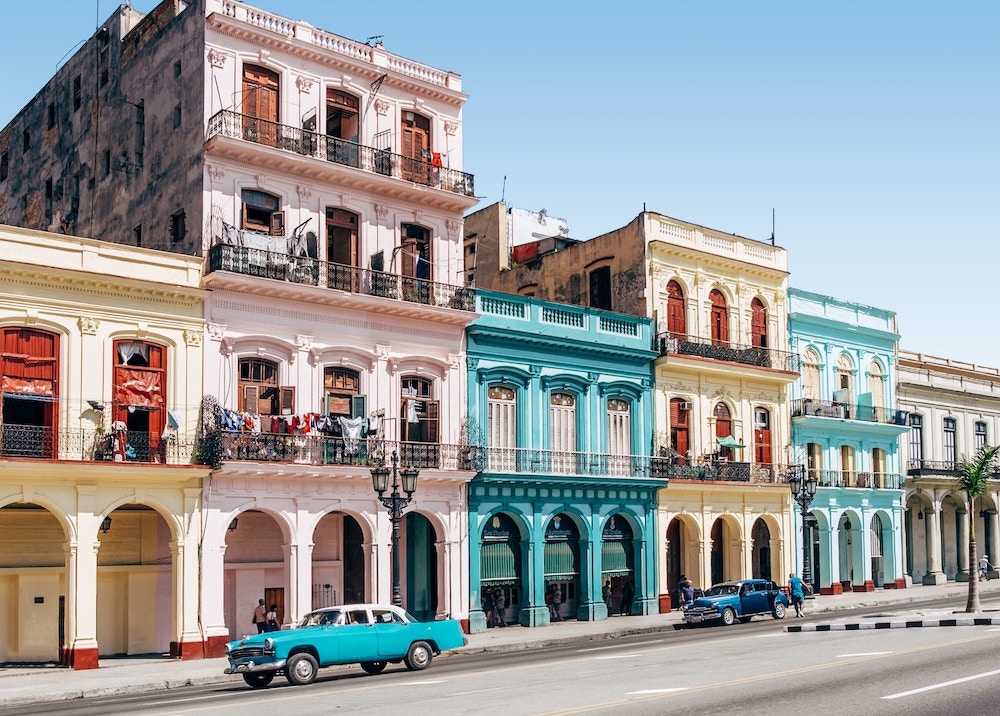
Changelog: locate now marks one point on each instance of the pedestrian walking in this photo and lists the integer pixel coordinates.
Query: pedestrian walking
(628, 594)
(554, 601)
(499, 608)
(606, 594)
(687, 594)
(984, 568)
(272, 619)
(797, 593)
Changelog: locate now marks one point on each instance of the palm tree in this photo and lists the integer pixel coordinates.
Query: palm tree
(973, 479)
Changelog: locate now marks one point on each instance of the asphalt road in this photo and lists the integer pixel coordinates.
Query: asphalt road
(754, 668)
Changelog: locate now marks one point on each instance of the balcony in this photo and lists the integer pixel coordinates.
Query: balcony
(43, 443)
(578, 464)
(847, 411)
(313, 272)
(724, 471)
(332, 151)
(695, 346)
(863, 480)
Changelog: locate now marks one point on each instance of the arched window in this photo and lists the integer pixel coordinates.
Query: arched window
(676, 313)
(619, 436)
(419, 413)
(719, 318)
(261, 214)
(680, 440)
(814, 461)
(502, 426)
(415, 144)
(847, 473)
(260, 105)
(758, 324)
(723, 428)
(342, 393)
(562, 412)
(876, 386)
(878, 466)
(810, 375)
(762, 436)
(260, 393)
(342, 127)
(140, 378)
(845, 379)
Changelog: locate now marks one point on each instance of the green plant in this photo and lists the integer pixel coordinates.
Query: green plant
(973, 479)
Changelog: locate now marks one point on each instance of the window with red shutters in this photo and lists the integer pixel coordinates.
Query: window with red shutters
(758, 324)
(719, 319)
(676, 315)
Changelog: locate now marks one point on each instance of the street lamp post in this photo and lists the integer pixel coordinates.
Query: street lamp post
(803, 492)
(395, 503)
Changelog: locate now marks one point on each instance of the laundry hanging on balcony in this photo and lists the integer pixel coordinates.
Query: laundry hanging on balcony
(729, 442)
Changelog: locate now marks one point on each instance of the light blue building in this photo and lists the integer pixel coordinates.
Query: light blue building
(560, 429)
(845, 429)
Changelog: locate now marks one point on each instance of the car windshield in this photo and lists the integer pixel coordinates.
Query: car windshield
(722, 589)
(321, 618)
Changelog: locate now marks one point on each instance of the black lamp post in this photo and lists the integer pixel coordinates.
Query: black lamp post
(803, 492)
(395, 503)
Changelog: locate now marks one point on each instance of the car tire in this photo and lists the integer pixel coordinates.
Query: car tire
(258, 679)
(419, 656)
(373, 667)
(728, 616)
(779, 610)
(301, 669)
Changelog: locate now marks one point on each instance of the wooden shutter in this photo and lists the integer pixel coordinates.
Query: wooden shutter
(277, 223)
(359, 407)
(432, 421)
(286, 400)
(676, 319)
(758, 324)
(720, 318)
(251, 396)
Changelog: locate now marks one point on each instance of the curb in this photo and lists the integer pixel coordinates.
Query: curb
(898, 624)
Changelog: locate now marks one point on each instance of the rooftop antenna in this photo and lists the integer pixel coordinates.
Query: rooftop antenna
(503, 192)
(772, 226)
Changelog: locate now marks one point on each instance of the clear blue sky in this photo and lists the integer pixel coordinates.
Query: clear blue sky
(872, 128)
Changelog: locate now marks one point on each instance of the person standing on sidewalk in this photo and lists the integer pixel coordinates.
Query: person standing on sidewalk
(797, 593)
(984, 568)
(260, 617)
(628, 594)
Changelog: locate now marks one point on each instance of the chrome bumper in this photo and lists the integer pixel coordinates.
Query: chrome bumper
(249, 666)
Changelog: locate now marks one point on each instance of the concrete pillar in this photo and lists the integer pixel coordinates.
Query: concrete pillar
(962, 556)
(932, 539)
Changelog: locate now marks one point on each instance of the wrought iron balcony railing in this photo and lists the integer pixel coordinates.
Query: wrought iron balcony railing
(864, 480)
(43, 443)
(759, 473)
(555, 462)
(939, 468)
(672, 343)
(339, 151)
(299, 269)
(849, 411)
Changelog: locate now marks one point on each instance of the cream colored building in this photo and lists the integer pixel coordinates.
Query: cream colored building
(100, 518)
(953, 408)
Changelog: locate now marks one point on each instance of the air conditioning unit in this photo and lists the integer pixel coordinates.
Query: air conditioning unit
(685, 406)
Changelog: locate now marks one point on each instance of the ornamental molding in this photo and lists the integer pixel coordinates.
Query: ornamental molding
(88, 326)
(217, 58)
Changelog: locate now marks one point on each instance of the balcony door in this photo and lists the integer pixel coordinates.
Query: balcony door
(343, 250)
(342, 128)
(415, 263)
(676, 315)
(719, 320)
(680, 429)
(260, 105)
(415, 144)
(140, 375)
(29, 370)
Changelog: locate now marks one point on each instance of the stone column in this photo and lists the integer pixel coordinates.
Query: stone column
(962, 556)
(932, 538)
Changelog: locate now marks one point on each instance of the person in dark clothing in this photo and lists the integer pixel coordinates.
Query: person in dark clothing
(628, 594)
(499, 608)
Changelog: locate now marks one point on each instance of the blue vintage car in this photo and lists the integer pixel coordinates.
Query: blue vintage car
(741, 600)
(372, 635)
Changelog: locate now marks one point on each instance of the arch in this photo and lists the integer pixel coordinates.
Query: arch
(421, 366)
(758, 323)
(683, 553)
(419, 540)
(718, 318)
(723, 428)
(255, 563)
(845, 378)
(761, 554)
(173, 520)
(347, 357)
(676, 310)
(563, 534)
(618, 560)
(501, 562)
(726, 549)
(260, 346)
(850, 528)
(811, 374)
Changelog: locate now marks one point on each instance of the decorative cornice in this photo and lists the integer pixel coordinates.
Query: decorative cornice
(217, 58)
(88, 325)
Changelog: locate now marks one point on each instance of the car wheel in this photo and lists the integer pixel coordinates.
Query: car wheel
(301, 669)
(728, 616)
(258, 679)
(779, 610)
(419, 656)
(373, 667)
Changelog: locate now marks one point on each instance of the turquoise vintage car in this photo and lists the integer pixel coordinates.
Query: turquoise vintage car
(741, 600)
(372, 635)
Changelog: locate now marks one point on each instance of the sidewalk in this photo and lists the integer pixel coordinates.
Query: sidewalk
(27, 685)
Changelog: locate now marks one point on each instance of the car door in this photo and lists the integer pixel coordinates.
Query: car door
(394, 634)
(357, 638)
(754, 601)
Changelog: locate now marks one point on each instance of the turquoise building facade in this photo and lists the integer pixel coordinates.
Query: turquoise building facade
(559, 429)
(845, 430)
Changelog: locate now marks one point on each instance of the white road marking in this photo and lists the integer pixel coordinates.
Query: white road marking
(942, 685)
(619, 656)
(863, 653)
(653, 691)
(421, 683)
(620, 646)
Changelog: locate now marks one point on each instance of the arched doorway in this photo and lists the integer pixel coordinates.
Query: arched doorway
(877, 554)
(760, 537)
(254, 568)
(845, 531)
(32, 575)
(421, 594)
(338, 564)
(500, 565)
(562, 561)
(617, 560)
(134, 583)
